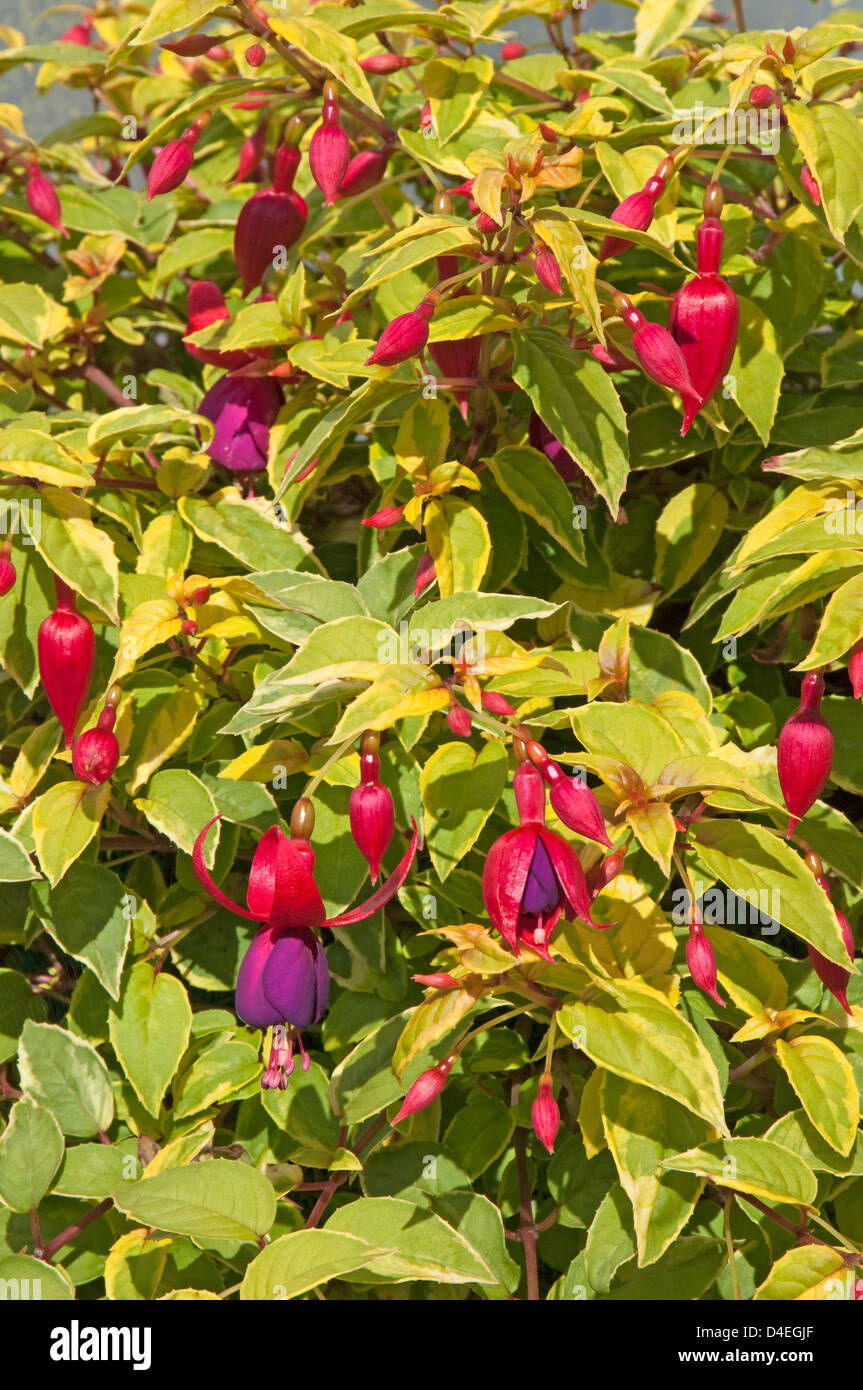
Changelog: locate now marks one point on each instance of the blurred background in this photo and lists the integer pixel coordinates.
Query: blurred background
(42, 113)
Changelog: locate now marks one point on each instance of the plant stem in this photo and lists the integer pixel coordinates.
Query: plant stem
(527, 1231)
(729, 1245)
(739, 16)
(66, 1237)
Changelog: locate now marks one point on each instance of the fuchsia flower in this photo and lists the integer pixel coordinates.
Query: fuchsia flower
(255, 54)
(702, 962)
(283, 982)
(380, 64)
(761, 96)
(547, 269)
(404, 337)
(173, 163)
(660, 356)
(272, 218)
(637, 210)
(364, 171)
(705, 314)
(206, 306)
(855, 669)
(371, 810)
(834, 976)
(545, 1113)
(805, 752)
(512, 50)
(571, 799)
(330, 149)
(531, 874)
(8, 573)
(95, 753)
(426, 573)
(42, 198)
(810, 183)
(243, 410)
(66, 645)
(252, 152)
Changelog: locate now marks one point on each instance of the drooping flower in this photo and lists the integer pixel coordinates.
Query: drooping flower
(364, 171)
(42, 198)
(174, 161)
(705, 314)
(283, 981)
(205, 307)
(805, 751)
(8, 573)
(426, 1088)
(702, 962)
(243, 410)
(547, 268)
(404, 337)
(659, 355)
(531, 874)
(330, 148)
(637, 210)
(272, 219)
(545, 1113)
(572, 800)
(95, 754)
(370, 808)
(66, 646)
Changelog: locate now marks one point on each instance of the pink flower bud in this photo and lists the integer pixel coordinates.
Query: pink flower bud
(705, 317)
(637, 210)
(811, 185)
(171, 164)
(268, 220)
(79, 33)
(545, 1113)
(404, 337)
(386, 517)
(371, 813)
(255, 55)
(511, 51)
(426, 574)
(610, 357)
(855, 669)
(659, 354)
(459, 720)
(761, 96)
(833, 976)
(95, 754)
(547, 269)
(496, 704)
(188, 627)
(252, 152)
(66, 646)
(329, 154)
(426, 1088)
(364, 171)
(702, 962)
(487, 225)
(42, 198)
(604, 872)
(575, 804)
(8, 573)
(379, 64)
(805, 751)
(439, 981)
(190, 45)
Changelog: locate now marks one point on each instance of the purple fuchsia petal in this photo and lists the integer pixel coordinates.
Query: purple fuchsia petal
(570, 875)
(541, 892)
(252, 1004)
(296, 980)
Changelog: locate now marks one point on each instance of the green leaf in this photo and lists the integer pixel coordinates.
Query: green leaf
(533, 484)
(244, 529)
(68, 1077)
(31, 1151)
(459, 543)
(610, 1240)
(90, 915)
(94, 1170)
(755, 375)
(335, 52)
(686, 1271)
(179, 805)
(219, 1072)
(575, 399)
(22, 1275)
(421, 1245)
(831, 141)
(27, 314)
(460, 789)
(796, 1131)
(65, 819)
(640, 1037)
(688, 529)
(479, 1133)
(16, 866)
(811, 1273)
(749, 859)
(304, 1260)
(659, 22)
(208, 1201)
(824, 1080)
(17, 1004)
(840, 627)
(429, 1021)
(757, 1166)
(456, 87)
(169, 16)
(149, 1030)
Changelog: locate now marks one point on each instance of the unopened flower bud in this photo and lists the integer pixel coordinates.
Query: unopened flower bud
(855, 669)
(379, 64)
(511, 51)
(702, 962)
(805, 751)
(66, 647)
(364, 171)
(371, 813)
(574, 803)
(438, 981)
(173, 163)
(329, 153)
(810, 183)
(637, 211)
(386, 517)
(425, 1089)
(545, 1113)
(547, 268)
(761, 96)
(42, 198)
(459, 720)
(426, 574)
(496, 704)
(604, 872)
(255, 55)
(404, 337)
(659, 354)
(8, 573)
(95, 753)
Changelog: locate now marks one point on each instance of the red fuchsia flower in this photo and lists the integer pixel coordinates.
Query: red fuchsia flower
(531, 874)
(705, 315)
(805, 752)
(371, 810)
(834, 977)
(425, 1089)
(459, 720)
(404, 337)
(252, 152)
(255, 55)
(572, 800)
(438, 981)
(42, 198)
(511, 51)
(364, 171)
(637, 211)
(659, 355)
(547, 269)
(496, 704)
(610, 357)
(426, 574)
(330, 148)
(545, 1113)
(385, 518)
(855, 669)
(8, 573)
(66, 646)
(283, 982)
(702, 962)
(80, 33)
(273, 218)
(95, 754)
(810, 183)
(243, 410)
(380, 64)
(487, 224)
(172, 164)
(545, 442)
(761, 96)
